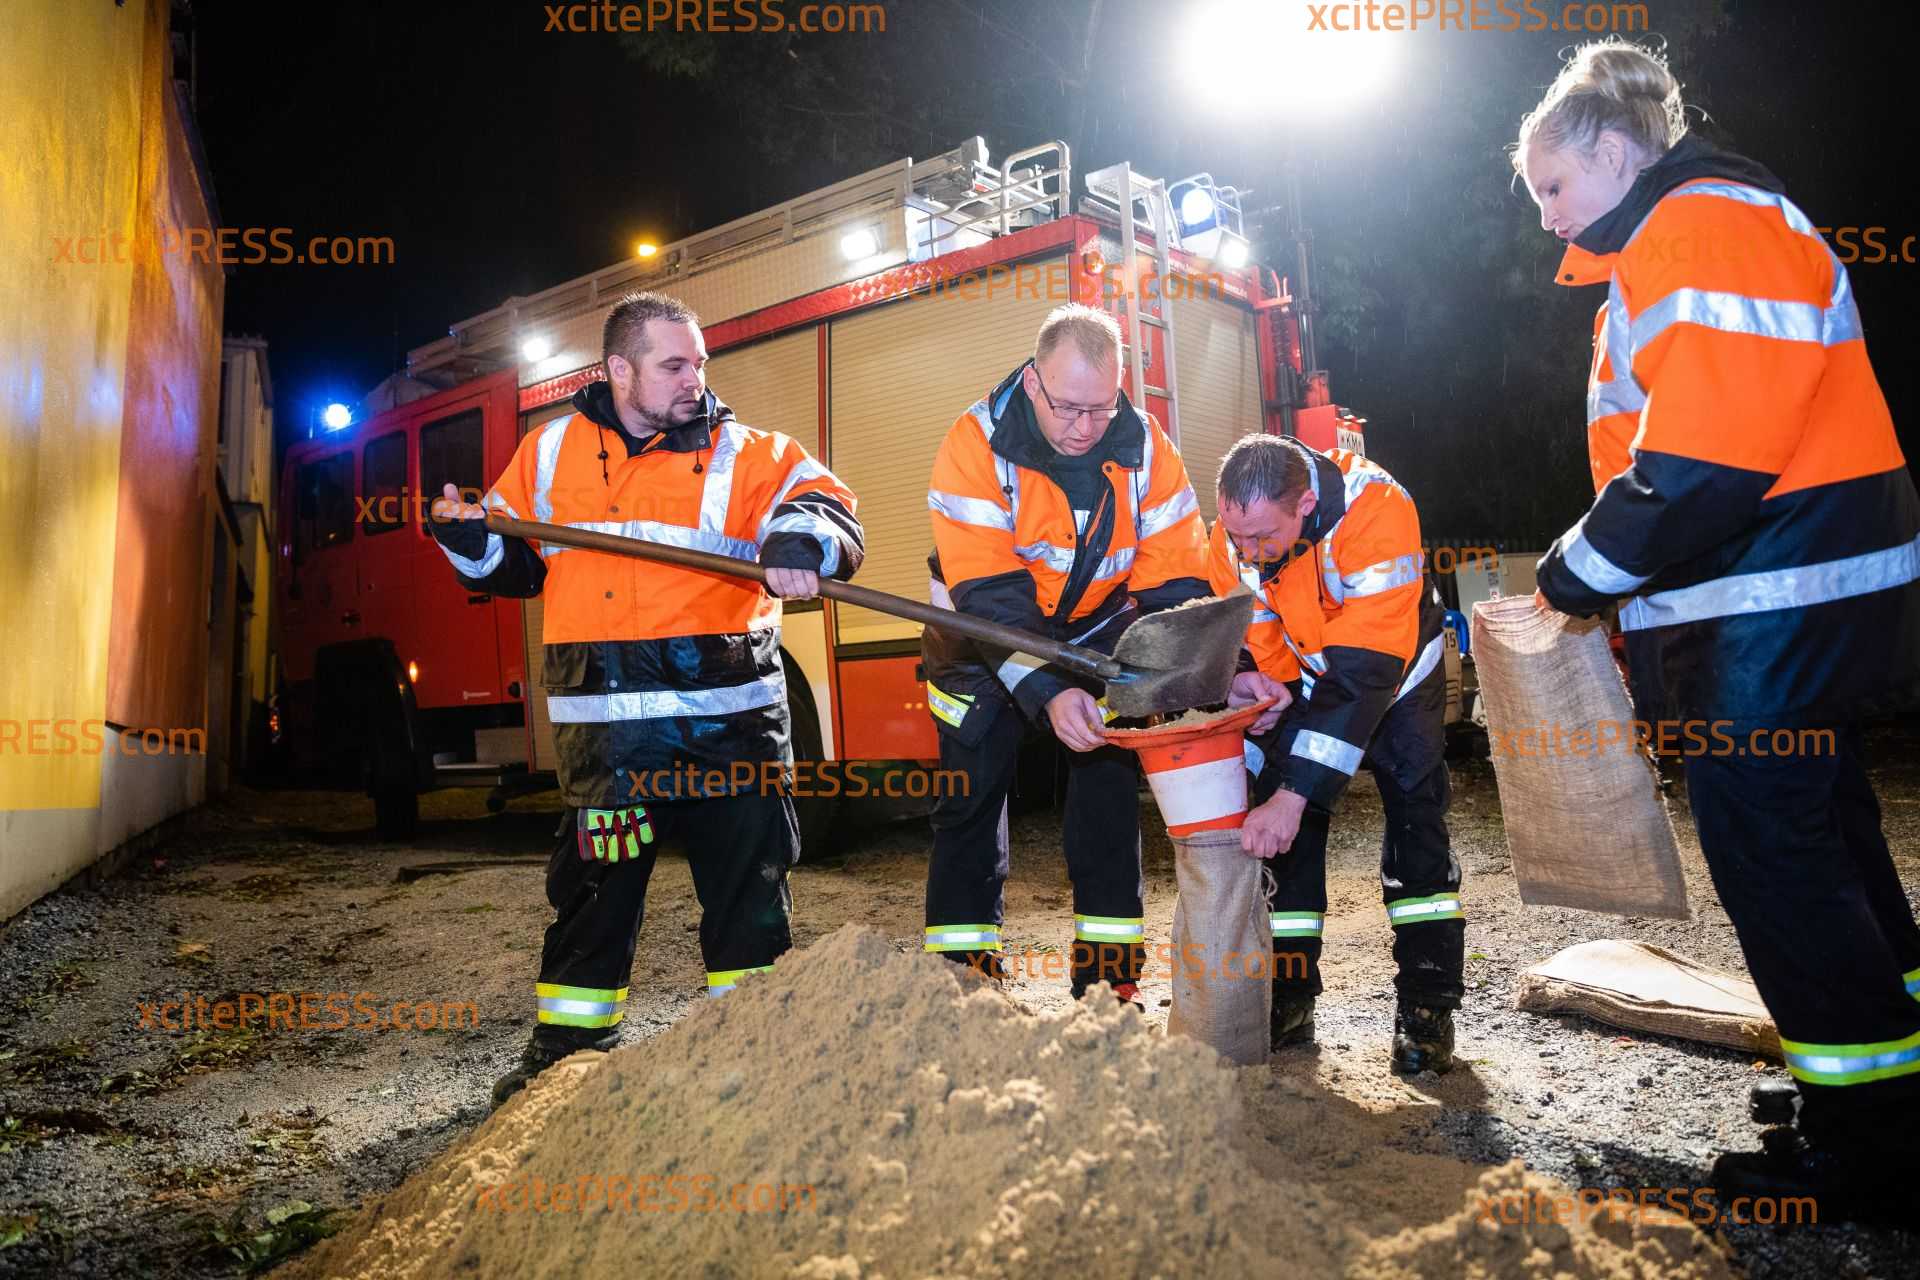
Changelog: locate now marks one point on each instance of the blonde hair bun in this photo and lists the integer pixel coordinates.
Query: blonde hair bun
(1608, 84)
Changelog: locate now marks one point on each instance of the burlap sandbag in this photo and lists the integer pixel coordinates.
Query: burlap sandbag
(1586, 827)
(1221, 936)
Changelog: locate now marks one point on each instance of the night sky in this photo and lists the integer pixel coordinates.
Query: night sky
(503, 160)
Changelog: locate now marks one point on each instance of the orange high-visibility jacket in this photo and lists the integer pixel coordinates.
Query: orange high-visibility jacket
(1347, 617)
(649, 666)
(1755, 511)
(1009, 546)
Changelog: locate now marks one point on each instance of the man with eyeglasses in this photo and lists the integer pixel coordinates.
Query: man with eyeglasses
(1058, 508)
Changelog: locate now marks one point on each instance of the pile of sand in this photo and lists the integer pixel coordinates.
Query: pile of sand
(943, 1132)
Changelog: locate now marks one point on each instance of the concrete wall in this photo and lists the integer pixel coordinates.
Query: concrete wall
(107, 392)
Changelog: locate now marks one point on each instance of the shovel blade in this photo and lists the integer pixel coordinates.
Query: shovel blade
(1181, 658)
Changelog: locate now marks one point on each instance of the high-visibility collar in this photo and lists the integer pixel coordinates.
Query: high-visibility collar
(1016, 434)
(1589, 259)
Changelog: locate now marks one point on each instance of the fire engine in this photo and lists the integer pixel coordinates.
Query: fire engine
(860, 319)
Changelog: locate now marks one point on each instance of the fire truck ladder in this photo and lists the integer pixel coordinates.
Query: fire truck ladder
(1121, 188)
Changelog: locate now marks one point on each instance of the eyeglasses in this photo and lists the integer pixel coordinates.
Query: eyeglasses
(1072, 413)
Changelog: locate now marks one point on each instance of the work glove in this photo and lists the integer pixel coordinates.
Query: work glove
(604, 835)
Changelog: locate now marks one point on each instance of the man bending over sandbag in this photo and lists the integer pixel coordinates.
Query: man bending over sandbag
(1330, 544)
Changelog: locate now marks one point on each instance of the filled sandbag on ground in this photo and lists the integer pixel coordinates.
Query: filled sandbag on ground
(1585, 820)
(1641, 987)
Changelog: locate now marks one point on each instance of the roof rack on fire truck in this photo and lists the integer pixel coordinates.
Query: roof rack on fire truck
(951, 201)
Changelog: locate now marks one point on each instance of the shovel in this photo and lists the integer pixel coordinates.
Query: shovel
(1166, 662)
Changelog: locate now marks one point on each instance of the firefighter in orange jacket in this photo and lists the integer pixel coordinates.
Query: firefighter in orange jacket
(659, 679)
(1058, 508)
(1756, 517)
(1345, 619)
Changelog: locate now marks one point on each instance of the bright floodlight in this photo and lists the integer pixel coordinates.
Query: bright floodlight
(536, 348)
(861, 242)
(1233, 253)
(336, 416)
(646, 249)
(1276, 59)
(1196, 206)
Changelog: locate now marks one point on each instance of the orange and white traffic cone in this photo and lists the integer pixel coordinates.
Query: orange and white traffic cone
(1197, 771)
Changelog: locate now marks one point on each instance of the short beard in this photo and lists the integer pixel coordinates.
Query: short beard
(657, 421)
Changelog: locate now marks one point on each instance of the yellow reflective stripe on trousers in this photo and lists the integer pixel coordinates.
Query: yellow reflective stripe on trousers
(1296, 924)
(963, 937)
(950, 707)
(1912, 979)
(566, 1006)
(723, 981)
(1843, 1064)
(1109, 928)
(1435, 906)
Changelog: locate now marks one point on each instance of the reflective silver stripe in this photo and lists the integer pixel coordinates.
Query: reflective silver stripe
(1313, 662)
(498, 503)
(717, 492)
(1060, 559)
(1622, 395)
(1295, 924)
(1330, 571)
(977, 511)
(1018, 667)
(496, 552)
(1422, 667)
(1160, 518)
(1095, 930)
(605, 708)
(1795, 588)
(1328, 751)
(938, 936)
(1841, 320)
(1594, 569)
(1731, 313)
(1619, 331)
(546, 460)
(1385, 576)
(1253, 756)
(1313, 470)
(584, 1008)
(676, 535)
(1263, 614)
(937, 593)
(1796, 220)
(1439, 904)
(819, 528)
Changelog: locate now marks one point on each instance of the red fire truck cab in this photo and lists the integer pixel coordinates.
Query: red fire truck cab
(861, 319)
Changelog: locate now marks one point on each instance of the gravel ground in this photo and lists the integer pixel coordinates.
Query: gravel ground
(133, 1150)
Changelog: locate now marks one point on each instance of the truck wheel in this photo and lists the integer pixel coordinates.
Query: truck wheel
(815, 812)
(396, 812)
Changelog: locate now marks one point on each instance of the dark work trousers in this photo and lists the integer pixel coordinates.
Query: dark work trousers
(1419, 877)
(739, 849)
(1794, 845)
(968, 872)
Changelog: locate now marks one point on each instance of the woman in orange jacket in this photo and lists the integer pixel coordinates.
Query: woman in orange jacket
(1756, 523)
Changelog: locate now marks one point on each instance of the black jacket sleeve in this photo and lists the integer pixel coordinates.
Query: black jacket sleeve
(485, 561)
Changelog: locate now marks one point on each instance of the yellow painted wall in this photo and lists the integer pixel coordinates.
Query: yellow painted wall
(93, 156)
(71, 80)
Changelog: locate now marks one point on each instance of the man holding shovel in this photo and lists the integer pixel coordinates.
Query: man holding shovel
(1331, 545)
(1057, 508)
(654, 671)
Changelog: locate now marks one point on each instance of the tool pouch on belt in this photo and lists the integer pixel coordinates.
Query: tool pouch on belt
(607, 835)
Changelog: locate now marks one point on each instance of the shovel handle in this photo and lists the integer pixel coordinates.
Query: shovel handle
(1076, 658)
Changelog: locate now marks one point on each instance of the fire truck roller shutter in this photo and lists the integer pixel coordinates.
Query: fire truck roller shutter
(1218, 359)
(898, 377)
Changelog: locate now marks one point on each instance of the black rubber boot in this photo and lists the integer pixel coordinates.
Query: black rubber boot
(1796, 1183)
(1291, 1023)
(1422, 1039)
(541, 1054)
(1773, 1102)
